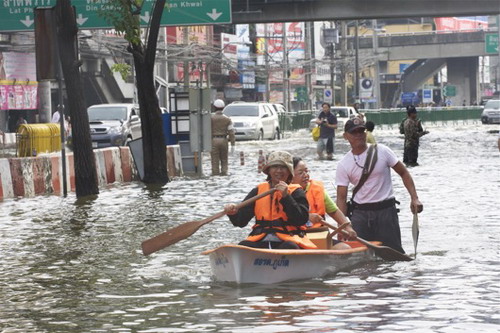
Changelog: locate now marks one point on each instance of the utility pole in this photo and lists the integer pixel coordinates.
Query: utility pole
(343, 48)
(185, 33)
(266, 59)
(356, 61)
(285, 68)
(308, 68)
(332, 63)
(378, 98)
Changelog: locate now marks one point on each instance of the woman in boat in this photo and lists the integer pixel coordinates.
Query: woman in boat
(320, 203)
(280, 218)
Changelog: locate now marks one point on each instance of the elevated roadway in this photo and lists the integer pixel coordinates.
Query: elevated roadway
(268, 11)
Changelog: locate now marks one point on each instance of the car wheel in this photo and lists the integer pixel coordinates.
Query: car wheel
(260, 137)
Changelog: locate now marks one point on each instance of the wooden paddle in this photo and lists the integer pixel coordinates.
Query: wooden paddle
(185, 230)
(383, 252)
(415, 231)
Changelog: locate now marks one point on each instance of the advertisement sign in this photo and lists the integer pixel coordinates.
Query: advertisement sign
(409, 98)
(466, 23)
(18, 86)
(366, 89)
(426, 95)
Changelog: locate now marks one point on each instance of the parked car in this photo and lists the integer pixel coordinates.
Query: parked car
(491, 112)
(343, 113)
(114, 124)
(254, 120)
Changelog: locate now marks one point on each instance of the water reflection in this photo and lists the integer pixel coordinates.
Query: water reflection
(70, 265)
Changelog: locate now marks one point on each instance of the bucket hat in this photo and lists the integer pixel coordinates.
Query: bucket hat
(279, 158)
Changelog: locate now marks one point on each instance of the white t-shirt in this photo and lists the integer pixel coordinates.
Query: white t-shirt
(55, 117)
(378, 186)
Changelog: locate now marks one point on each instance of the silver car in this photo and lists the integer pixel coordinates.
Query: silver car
(114, 124)
(491, 112)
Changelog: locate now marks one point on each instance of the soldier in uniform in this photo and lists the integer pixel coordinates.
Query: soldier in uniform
(222, 127)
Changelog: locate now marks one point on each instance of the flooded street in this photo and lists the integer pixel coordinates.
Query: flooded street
(69, 266)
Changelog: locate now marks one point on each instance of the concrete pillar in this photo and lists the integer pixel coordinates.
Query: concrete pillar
(464, 74)
(45, 106)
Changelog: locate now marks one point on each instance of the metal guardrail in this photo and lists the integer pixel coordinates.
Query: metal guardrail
(291, 121)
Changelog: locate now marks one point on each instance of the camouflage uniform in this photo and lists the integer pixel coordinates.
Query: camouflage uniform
(222, 127)
(413, 131)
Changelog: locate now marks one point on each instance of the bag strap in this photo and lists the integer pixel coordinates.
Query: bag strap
(371, 160)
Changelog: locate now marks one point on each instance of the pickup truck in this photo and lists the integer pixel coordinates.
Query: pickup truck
(114, 124)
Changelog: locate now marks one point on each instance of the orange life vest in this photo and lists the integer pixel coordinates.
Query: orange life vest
(316, 198)
(270, 217)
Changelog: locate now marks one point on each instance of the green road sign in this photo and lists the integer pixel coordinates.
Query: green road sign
(491, 43)
(301, 94)
(18, 15)
(449, 91)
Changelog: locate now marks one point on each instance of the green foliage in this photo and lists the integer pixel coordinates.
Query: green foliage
(124, 15)
(125, 70)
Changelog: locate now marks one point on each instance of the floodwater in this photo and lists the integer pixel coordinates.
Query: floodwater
(69, 266)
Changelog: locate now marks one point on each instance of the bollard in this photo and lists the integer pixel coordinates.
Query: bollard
(261, 162)
(242, 158)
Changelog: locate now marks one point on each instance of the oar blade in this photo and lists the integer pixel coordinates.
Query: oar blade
(390, 254)
(170, 237)
(415, 231)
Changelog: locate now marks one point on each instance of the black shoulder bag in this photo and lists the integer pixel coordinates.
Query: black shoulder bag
(371, 160)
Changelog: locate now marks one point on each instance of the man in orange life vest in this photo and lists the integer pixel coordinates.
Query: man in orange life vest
(280, 218)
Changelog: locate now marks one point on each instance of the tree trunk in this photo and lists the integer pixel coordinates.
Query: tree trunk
(153, 144)
(85, 167)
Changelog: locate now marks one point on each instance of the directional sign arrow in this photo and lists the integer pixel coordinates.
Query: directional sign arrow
(81, 20)
(28, 21)
(214, 15)
(145, 17)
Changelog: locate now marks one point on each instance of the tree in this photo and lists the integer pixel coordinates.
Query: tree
(85, 168)
(126, 20)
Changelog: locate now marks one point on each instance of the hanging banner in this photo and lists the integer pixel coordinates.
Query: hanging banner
(18, 85)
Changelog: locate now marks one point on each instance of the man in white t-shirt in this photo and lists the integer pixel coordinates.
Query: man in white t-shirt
(374, 214)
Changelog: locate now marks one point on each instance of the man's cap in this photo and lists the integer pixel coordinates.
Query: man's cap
(279, 158)
(219, 104)
(353, 124)
(411, 109)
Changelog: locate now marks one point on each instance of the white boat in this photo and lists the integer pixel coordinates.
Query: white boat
(241, 264)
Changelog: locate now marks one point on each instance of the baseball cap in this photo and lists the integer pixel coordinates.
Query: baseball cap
(353, 124)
